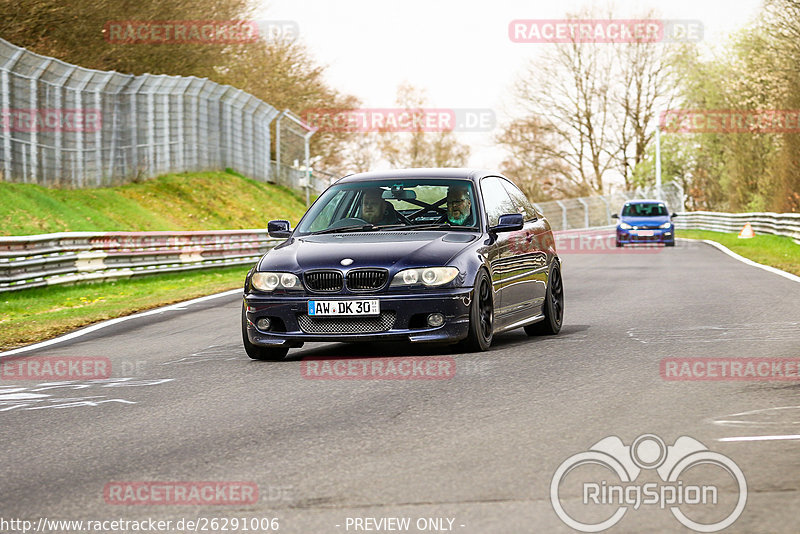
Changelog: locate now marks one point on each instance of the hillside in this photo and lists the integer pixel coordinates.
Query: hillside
(187, 201)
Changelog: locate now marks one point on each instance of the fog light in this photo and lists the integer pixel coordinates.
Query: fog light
(263, 323)
(435, 319)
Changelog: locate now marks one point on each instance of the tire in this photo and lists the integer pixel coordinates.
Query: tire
(553, 306)
(619, 245)
(669, 243)
(481, 315)
(260, 353)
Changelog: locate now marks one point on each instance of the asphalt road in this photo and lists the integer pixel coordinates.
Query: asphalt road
(185, 404)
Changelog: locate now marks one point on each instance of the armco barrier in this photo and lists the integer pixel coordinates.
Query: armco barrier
(42, 260)
(785, 224)
(49, 259)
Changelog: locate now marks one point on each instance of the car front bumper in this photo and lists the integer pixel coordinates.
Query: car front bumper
(405, 318)
(659, 235)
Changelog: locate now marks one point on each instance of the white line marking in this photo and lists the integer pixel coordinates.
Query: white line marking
(742, 259)
(110, 322)
(761, 438)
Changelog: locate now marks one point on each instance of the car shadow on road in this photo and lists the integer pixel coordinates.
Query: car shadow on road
(571, 332)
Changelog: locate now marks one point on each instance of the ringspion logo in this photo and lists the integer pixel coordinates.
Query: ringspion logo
(605, 478)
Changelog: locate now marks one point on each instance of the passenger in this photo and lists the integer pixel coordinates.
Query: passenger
(459, 206)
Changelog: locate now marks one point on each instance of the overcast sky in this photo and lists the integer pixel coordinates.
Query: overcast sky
(458, 51)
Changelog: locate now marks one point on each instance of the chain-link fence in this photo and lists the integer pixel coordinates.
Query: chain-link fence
(588, 212)
(64, 125)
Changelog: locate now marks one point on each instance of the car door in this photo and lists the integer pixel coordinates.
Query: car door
(531, 246)
(497, 202)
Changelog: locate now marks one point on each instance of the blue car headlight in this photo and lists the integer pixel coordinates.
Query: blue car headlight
(666, 225)
(430, 276)
(268, 281)
(625, 226)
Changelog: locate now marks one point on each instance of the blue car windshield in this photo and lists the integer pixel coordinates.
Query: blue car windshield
(645, 209)
(401, 204)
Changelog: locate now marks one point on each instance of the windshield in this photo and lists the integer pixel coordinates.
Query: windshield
(401, 204)
(645, 210)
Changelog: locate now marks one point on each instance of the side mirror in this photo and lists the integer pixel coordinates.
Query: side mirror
(509, 222)
(615, 216)
(673, 215)
(280, 229)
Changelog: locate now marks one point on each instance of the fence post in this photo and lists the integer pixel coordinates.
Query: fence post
(5, 92)
(98, 134)
(564, 222)
(34, 102)
(585, 212)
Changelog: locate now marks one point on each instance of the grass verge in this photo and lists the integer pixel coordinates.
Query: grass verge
(38, 314)
(774, 250)
(187, 201)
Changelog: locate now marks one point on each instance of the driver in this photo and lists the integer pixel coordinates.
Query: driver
(376, 210)
(459, 206)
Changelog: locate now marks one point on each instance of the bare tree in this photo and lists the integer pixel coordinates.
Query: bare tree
(419, 148)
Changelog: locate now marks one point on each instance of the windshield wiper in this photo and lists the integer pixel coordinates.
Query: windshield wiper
(434, 226)
(360, 227)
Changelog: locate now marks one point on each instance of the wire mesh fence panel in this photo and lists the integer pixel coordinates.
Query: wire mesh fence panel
(67, 126)
(587, 212)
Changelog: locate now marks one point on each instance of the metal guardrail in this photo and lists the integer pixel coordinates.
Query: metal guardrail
(63, 258)
(784, 224)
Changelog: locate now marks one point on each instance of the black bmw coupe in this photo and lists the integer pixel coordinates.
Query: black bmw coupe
(417, 255)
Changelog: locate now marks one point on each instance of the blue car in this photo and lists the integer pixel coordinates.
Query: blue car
(645, 221)
(420, 255)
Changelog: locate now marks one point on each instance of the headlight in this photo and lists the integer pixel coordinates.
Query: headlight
(666, 225)
(272, 281)
(430, 276)
(625, 226)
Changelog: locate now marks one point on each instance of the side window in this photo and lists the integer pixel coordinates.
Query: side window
(522, 203)
(496, 199)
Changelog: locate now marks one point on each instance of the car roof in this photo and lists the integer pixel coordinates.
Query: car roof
(645, 201)
(443, 172)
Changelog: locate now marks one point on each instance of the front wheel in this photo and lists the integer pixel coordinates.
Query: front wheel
(256, 352)
(553, 306)
(481, 315)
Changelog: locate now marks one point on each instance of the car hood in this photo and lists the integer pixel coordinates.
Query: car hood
(645, 221)
(390, 250)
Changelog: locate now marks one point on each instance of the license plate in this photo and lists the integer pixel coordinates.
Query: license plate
(644, 233)
(343, 307)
